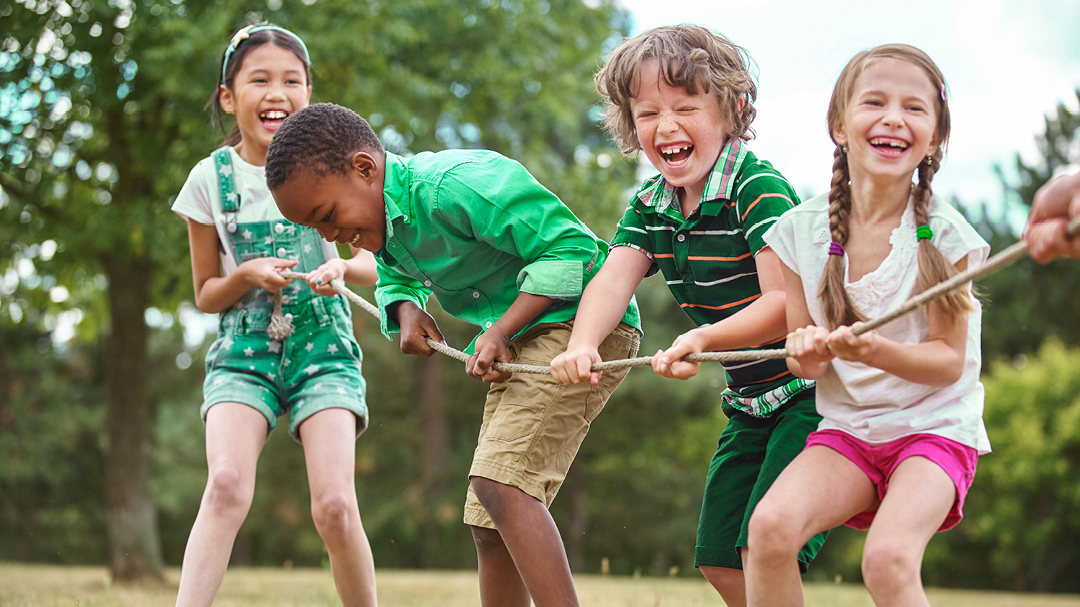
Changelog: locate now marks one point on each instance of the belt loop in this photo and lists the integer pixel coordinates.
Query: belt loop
(241, 321)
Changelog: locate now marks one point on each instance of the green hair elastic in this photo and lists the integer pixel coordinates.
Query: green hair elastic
(246, 32)
(924, 232)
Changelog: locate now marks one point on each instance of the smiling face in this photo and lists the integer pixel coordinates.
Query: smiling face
(269, 85)
(890, 123)
(345, 208)
(681, 134)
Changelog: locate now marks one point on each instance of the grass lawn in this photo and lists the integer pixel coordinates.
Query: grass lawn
(54, 586)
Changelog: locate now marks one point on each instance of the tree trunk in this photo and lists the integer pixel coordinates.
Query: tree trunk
(135, 547)
(434, 451)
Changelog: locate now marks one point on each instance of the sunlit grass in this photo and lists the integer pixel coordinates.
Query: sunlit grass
(53, 586)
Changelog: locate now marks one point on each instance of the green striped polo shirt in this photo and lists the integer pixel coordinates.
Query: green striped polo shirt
(707, 258)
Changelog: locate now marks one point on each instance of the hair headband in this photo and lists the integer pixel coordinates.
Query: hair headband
(245, 33)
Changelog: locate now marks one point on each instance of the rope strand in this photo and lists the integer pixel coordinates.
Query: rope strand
(1006, 257)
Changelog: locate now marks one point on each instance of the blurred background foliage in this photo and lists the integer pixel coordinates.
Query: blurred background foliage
(101, 118)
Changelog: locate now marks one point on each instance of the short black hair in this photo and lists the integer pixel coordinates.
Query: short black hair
(320, 138)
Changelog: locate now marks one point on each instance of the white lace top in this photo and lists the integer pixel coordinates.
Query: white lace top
(865, 401)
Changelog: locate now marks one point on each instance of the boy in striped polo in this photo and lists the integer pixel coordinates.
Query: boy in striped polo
(684, 96)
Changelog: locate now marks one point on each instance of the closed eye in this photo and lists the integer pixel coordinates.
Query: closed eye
(326, 218)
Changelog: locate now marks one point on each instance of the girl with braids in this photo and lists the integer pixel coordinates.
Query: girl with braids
(902, 426)
(254, 373)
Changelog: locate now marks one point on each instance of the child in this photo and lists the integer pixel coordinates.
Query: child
(251, 378)
(684, 96)
(902, 406)
(499, 251)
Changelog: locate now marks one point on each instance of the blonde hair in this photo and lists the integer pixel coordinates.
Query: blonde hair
(690, 57)
(933, 267)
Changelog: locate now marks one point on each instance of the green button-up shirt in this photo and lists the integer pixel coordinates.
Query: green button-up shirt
(476, 229)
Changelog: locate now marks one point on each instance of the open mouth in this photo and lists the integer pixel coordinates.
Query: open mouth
(889, 146)
(272, 119)
(676, 155)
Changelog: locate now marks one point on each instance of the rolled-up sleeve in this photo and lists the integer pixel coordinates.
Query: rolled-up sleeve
(393, 286)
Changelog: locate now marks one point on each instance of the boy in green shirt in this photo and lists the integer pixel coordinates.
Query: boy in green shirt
(497, 249)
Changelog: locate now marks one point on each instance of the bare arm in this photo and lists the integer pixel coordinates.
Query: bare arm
(939, 361)
(760, 322)
(213, 293)
(494, 344)
(602, 306)
(808, 354)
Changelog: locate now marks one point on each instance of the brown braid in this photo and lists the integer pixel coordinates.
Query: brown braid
(837, 305)
(933, 267)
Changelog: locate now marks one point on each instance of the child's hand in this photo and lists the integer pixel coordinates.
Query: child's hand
(320, 278)
(809, 347)
(574, 366)
(492, 346)
(416, 325)
(265, 272)
(669, 363)
(845, 345)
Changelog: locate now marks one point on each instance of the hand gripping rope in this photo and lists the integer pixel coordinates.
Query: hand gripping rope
(995, 263)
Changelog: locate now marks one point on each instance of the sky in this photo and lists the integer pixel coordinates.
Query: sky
(1007, 64)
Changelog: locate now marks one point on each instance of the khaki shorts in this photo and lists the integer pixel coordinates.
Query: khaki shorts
(533, 425)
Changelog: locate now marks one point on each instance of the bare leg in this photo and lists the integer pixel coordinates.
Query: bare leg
(329, 439)
(235, 435)
(918, 499)
(500, 583)
(818, 490)
(533, 542)
(730, 583)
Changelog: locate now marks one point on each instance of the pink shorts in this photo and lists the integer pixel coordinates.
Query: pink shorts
(879, 462)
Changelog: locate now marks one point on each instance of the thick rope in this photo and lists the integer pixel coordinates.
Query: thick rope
(995, 263)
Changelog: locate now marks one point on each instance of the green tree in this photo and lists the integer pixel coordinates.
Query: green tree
(1028, 302)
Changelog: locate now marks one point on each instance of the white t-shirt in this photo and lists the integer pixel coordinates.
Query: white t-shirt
(200, 200)
(864, 401)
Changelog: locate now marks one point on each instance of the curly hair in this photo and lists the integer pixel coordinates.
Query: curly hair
(690, 57)
(320, 138)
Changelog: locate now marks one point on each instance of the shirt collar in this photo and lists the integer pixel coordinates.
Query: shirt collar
(658, 193)
(396, 182)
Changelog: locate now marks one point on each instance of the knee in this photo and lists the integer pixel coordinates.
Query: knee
(333, 513)
(227, 493)
(772, 533)
(889, 565)
(726, 581)
(487, 541)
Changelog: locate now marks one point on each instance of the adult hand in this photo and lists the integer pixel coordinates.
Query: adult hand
(1056, 203)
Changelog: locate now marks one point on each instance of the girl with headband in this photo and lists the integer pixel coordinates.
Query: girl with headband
(258, 371)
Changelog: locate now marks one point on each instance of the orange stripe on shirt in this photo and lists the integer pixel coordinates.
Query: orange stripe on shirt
(707, 258)
(725, 306)
(765, 195)
(664, 255)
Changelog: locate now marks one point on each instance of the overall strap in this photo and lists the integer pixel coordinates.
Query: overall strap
(230, 200)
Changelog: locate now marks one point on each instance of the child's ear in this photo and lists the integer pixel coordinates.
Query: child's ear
(225, 99)
(366, 165)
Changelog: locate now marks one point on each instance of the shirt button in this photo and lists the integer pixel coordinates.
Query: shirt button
(681, 237)
(279, 228)
(427, 283)
(476, 294)
(487, 325)
(281, 252)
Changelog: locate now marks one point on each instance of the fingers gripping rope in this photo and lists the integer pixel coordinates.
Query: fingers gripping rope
(995, 263)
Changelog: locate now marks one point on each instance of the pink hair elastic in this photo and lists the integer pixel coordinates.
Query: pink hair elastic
(835, 248)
